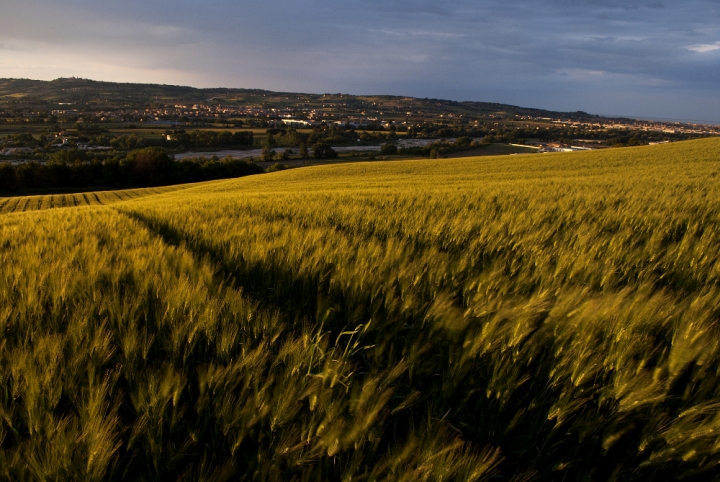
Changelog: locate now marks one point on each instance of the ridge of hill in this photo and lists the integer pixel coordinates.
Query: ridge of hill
(91, 93)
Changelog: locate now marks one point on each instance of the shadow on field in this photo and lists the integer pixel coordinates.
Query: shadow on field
(491, 399)
(295, 296)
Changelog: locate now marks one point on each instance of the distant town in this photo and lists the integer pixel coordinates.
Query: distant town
(106, 120)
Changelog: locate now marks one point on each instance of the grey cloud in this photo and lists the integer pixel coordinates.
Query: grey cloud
(565, 54)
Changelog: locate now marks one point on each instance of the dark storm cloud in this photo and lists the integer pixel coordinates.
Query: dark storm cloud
(634, 57)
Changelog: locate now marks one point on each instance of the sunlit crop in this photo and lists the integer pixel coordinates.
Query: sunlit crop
(540, 317)
(49, 201)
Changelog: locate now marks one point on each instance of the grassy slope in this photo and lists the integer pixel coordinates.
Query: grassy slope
(540, 317)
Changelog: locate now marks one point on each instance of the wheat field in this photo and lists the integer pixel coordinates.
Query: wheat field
(542, 317)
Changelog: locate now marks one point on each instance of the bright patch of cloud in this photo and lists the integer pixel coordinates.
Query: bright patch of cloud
(422, 33)
(589, 75)
(582, 73)
(702, 48)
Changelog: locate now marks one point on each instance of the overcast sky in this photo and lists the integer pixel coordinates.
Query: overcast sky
(642, 58)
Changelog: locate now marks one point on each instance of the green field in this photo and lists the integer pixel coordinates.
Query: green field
(520, 318)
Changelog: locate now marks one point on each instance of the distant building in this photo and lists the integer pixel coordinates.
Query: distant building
(296, 123)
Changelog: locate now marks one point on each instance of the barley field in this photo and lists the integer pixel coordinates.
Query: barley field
(520, 318)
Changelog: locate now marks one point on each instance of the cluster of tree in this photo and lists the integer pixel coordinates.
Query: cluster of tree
(89, 129)
(320, 150)
(442, 147)
(128, 142)
(327, 134)
(388, 149)
(22, 140)
(209, 138)
(141, 168)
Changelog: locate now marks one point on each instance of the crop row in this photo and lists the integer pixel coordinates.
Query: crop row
(36, 203)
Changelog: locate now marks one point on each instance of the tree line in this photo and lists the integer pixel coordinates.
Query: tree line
(208, 138)
(512, 133)
(147, 167)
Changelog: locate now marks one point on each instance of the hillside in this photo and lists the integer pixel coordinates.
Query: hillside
(540, 317)
(96, 94)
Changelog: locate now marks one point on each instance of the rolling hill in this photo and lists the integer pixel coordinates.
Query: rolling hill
(541, 317)
(90, 94)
